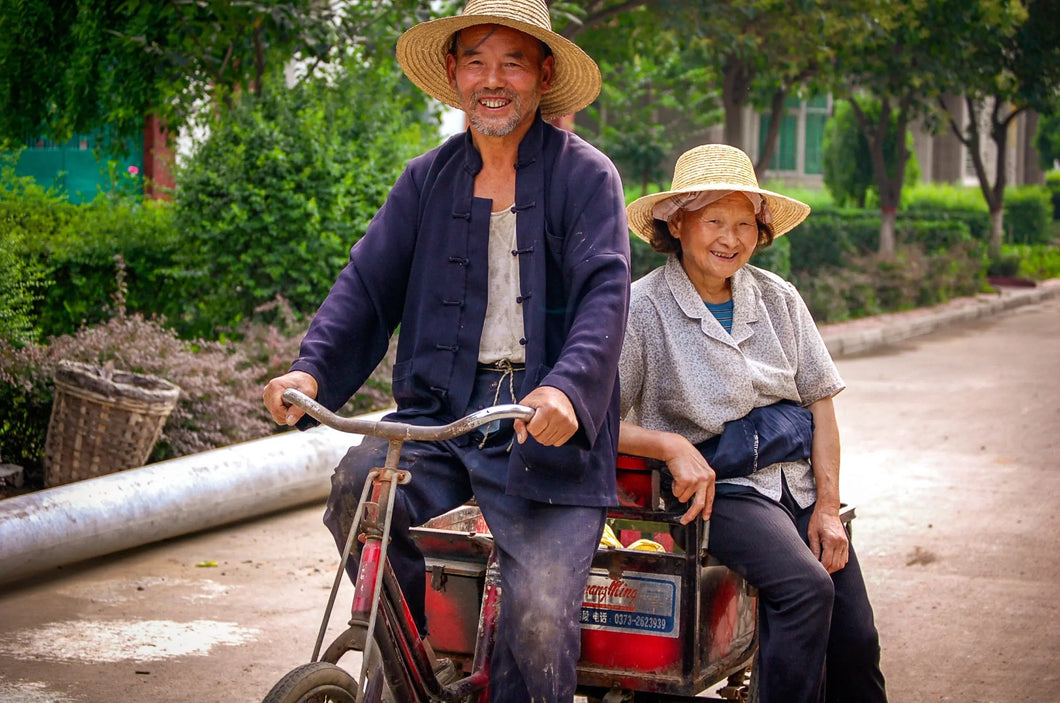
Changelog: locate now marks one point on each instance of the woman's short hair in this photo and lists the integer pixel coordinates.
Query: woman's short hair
(664, 242)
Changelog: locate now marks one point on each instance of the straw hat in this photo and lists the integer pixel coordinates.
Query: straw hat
(421, 52)
(716, 167)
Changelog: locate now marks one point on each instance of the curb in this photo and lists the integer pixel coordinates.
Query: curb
(857, 336)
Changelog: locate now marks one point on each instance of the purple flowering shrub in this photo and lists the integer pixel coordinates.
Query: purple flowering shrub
(221, 382)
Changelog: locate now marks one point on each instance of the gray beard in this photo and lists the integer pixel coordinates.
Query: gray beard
(491, 128)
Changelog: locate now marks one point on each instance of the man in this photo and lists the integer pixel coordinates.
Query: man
(504, 256)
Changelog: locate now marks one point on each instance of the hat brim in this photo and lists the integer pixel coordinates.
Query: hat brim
(422, 49)
(788, 213)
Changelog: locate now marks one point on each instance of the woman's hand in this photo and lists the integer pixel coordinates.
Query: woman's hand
(828, 539)
(693, 478)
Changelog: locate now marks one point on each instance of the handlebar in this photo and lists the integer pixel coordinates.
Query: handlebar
(386, 429)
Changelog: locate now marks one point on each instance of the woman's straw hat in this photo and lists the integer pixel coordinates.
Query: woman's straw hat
(716, 167)
(421, 52)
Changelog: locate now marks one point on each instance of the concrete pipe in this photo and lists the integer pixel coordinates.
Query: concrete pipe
(90, 518)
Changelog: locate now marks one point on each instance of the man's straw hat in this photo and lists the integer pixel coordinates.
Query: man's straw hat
(421, 52)
(716, 167)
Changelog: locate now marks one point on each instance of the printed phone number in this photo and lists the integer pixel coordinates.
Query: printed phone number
(653, 623)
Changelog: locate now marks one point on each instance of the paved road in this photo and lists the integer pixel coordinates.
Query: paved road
(951, 453)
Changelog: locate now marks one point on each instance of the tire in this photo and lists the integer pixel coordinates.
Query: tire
(377, 688)
(318, 682)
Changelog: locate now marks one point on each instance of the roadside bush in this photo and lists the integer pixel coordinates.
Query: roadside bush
(823, 240)
(1052, 182)
(71, 248)
(1028, 215)
(777, 257)
(1037, 262)
(944, 196)
(220, 400)
(866, 284)
(272, 200)
(835, 294)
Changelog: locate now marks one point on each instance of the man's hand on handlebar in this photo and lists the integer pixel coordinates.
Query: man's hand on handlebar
(282, 413)
(554, 421)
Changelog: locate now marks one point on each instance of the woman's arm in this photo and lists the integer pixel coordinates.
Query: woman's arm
(828, 539)
(693, 477)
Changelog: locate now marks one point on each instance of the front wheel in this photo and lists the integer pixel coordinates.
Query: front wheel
(318, 682)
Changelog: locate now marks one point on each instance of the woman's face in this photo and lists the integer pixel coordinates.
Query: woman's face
(716, 240)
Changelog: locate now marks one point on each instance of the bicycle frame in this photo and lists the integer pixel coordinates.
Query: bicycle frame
(379, 608)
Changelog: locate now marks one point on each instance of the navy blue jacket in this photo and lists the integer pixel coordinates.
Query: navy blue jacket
(423, 264)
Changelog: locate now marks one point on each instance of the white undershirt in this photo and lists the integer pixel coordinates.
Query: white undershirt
(503, 327)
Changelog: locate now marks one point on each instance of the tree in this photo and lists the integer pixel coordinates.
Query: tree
(893, 57)
(848, 174)
(285, 182)
(74, 66)
(1007, 59)
(761, 52)
(654, 88)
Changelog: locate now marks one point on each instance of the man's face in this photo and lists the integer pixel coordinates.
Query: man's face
(499, 75)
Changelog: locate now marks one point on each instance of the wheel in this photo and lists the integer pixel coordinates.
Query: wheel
(318, 682)
(327, 682)
(377, 688)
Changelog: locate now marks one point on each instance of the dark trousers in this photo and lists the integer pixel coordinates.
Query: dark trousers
(817, 640)
(545, 551)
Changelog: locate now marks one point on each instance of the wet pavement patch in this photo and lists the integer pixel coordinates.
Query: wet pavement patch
(107, 641)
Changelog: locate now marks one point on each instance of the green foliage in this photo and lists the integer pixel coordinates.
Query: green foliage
(847, 164)
(819, 199)
(73, 66)
(848, 172)
(1037, 262)
(22, 279)
(71, 248)
(1052, 182)
(285, 183)
(1047, 141)
(943, 196)
(1028, 214)
(825, 240)
(643, 259)
(776, 257)
(867, 284)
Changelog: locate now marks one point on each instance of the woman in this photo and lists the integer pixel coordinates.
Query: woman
(720, 351)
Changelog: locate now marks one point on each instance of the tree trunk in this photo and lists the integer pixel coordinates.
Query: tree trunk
(888, 237)
(776, 114)
(889, 185)
(997, 232)
(994, 194)
(735, 92)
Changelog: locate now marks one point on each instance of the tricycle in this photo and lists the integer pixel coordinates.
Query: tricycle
(661, 620)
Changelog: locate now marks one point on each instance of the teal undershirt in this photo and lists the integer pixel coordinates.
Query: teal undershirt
(722, 312)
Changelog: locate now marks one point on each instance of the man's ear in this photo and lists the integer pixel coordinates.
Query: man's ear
(548, 70)
(450, 69)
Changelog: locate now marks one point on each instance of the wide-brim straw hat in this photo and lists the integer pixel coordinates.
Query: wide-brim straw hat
(421, 52)
(716, 167)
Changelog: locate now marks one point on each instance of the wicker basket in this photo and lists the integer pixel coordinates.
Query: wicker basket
(103, 421)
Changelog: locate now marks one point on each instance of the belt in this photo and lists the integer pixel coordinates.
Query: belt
(507, 370)
(502, 366)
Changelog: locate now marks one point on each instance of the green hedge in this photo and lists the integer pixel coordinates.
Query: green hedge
(66, 254)
(73, 246)
(1028, 214)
